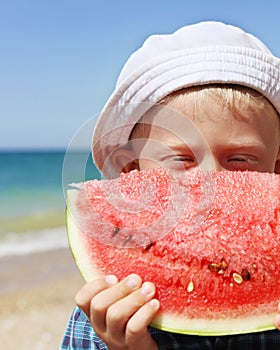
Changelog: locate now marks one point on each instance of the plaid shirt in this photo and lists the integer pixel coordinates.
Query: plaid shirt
(79, 335)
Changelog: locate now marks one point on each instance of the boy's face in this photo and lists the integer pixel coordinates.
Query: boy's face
(213, 139)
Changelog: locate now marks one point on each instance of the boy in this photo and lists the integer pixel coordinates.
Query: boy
(206, 97)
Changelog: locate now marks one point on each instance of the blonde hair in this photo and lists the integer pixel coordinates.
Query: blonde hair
(236, 98)
(232, 97)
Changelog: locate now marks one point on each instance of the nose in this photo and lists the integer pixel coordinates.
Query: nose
(211, 163)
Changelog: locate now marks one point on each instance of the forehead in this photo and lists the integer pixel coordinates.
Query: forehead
(207, 105)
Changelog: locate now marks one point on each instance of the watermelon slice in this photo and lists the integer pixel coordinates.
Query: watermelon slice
(210, 242)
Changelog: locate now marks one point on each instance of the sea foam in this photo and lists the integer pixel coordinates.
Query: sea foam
(33, 241)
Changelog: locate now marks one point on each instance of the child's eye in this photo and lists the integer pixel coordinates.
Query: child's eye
(184, 159)
(237, 159)
(241, 162)
(180, 162)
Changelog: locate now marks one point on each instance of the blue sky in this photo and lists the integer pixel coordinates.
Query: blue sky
(59, 59)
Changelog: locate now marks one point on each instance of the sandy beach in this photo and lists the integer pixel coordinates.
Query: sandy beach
(36, 299)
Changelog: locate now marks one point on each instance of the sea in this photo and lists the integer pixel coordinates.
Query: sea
(33, 184)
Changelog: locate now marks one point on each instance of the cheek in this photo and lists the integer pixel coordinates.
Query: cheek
(145, 163)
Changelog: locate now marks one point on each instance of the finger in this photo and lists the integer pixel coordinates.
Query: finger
(89, 290)
(277, 321)
(120, 312)
(137, 325)
(102, 301)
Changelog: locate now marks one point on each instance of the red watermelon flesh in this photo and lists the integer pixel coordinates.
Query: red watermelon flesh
(209, 241)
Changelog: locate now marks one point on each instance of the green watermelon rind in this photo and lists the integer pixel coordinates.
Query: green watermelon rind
(162, 321)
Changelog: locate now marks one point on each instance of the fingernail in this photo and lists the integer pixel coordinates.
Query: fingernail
(146, 288)
(133, 282)
(154, 303)
(111, 279)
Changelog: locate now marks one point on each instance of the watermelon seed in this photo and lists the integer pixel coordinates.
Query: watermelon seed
(148, 246)
(128, 238)
(214, 267)
(245, 274)
(219, 268)
(237, 278)
(224, 265)
(190, 287)
(116, 231)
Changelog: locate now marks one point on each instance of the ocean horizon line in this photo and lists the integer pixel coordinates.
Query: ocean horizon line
(41, 150)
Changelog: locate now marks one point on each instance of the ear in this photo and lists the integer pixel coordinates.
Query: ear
(124, 160)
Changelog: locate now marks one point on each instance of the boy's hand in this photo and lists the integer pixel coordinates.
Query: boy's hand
(277, 318)
(120, 312)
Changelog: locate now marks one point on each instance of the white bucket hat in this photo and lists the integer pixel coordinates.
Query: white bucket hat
(203, 53)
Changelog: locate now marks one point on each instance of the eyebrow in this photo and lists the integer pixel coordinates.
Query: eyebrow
(250, 145)
(162, 148)
(195, 149)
